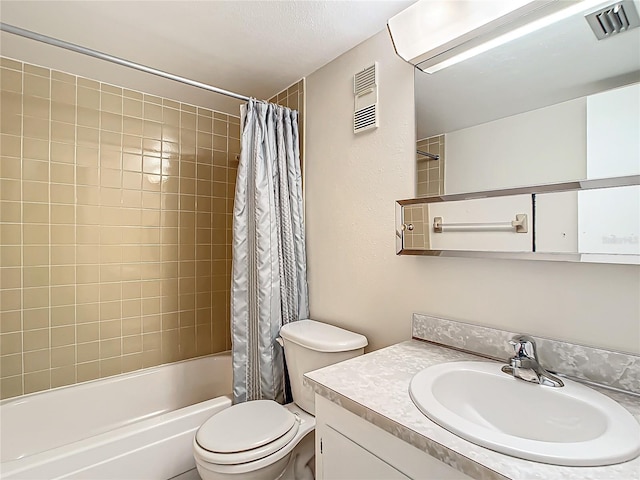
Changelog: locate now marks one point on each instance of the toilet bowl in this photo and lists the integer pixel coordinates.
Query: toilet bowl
(263, 440)
(260, 440)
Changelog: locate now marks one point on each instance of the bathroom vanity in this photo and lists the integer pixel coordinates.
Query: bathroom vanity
(349, 447)
(368, 427)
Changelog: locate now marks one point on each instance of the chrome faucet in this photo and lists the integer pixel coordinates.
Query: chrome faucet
(524, 364)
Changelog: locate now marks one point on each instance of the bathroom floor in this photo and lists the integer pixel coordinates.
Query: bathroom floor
(189, 475)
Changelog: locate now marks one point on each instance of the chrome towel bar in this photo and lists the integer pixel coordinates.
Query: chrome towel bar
(519, 225)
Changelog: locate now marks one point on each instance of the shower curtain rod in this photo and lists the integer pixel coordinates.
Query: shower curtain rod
(5, 27)
(432, 156)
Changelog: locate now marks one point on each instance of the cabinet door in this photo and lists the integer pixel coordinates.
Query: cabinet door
(343, 459)
(613, 122)
(350, 448)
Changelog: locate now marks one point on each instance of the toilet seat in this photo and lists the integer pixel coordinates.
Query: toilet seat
(246, 432)
(266, 468)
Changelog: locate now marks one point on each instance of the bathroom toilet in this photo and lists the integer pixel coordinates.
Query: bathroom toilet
(262, 439)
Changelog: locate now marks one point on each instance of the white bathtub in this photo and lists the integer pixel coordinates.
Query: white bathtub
(133, 426)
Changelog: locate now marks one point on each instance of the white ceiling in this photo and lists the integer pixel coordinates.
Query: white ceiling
(255, 48)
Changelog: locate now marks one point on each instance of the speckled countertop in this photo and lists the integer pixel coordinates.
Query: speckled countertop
(376, 387)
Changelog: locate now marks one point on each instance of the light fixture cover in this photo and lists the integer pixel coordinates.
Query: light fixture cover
(432, 31)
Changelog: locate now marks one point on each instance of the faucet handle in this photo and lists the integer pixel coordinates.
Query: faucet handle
(524, 346)
(524, 364)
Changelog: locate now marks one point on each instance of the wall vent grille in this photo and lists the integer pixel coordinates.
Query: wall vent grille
(365, 102)
(365, 80)
(616, 18)
(365, 118)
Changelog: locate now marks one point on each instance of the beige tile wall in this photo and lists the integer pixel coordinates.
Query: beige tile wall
(430, 173)
(115, 229)
(417, 216)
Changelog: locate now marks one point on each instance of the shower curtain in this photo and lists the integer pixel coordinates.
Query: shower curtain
(269, 280)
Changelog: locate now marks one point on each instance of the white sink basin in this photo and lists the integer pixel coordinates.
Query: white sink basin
(571, 425)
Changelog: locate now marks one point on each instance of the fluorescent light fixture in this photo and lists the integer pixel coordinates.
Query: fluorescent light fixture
(435, 34)
(512, 35)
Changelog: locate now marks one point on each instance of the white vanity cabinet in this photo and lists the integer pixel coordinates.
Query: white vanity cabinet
(350, 448)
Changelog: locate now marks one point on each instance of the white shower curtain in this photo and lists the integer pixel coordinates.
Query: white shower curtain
(269, 280)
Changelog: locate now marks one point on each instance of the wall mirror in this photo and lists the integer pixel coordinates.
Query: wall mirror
(548, 112)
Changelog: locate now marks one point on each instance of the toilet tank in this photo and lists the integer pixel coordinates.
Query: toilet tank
(310, 345)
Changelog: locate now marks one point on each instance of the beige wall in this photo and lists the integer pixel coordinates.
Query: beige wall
(358, 282)
(115, 218)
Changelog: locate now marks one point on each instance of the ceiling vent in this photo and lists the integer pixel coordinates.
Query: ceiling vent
(616, 18)
(365, 105)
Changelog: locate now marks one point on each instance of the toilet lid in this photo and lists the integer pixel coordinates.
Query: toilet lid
(247, 431)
